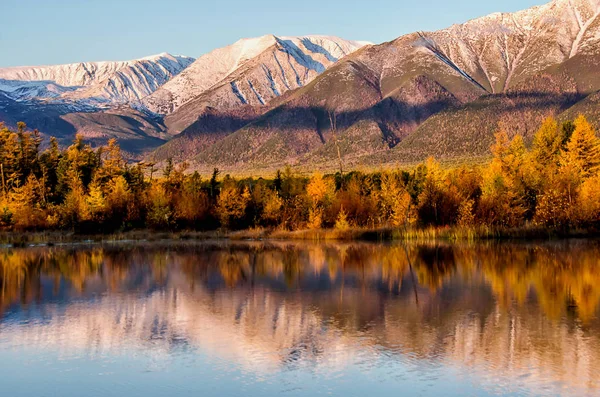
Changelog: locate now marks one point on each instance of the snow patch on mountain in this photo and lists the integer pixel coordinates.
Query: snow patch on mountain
(258, 96)
(238, 93)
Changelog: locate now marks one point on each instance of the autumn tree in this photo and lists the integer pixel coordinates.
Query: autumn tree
(503, 199)
(582, 152)
(570, 195)
(319, 191)
(438, 201)
(466, 214)
(394, 201)
(267, 204)
(78, 160)
(160, 213)
(26, 204)
(191, 203)
(117, 201)
(342, 222)
(358, 196)
(49, 163)
(546, 147)
(112, 164)
(232, 204)
(96, 202)
(588, 209)
(75, 207)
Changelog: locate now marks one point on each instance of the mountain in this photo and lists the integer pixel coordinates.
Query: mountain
(92, 83)
(230, 87)
(251, 72)
(145, 102)
(438, 93)
(265, 102)
(100, 100)
(136, 132)
(269, 66)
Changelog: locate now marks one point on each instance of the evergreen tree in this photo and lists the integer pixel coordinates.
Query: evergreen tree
(214, 183)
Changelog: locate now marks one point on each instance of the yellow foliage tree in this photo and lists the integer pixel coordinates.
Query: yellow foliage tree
(25, 204)
(315, 218)
(272, 206)
(546, 146)
(466, 214)
(433, 203)
(583, 149)
(553, 208)
(118, 197)
(231, 205)
(113, 163)
(394, 201)
(96, 201)
(75, 208)
(589, 201)
(191, 207)
(319, 189)
(342, 222)
(503, 190)
(160, 213)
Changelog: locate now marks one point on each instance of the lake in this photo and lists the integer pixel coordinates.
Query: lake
(301, 319)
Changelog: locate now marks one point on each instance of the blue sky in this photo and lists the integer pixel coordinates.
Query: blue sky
(35, 32)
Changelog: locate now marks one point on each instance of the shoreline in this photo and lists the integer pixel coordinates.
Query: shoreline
(15, 239)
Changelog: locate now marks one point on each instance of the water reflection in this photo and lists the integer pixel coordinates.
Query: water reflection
(507, 317)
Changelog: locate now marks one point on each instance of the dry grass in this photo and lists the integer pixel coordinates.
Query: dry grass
(446, 233)
(416, 234)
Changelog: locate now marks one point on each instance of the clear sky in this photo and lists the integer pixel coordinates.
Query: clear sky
(38, 32)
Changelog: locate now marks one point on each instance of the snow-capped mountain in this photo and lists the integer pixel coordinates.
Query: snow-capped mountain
(502, 49)
(285, 63)
(96, 83)
(266, 101)
(83, 97)
(441, 93)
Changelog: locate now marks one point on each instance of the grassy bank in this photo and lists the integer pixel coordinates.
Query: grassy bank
(422, 234)
(23, 239)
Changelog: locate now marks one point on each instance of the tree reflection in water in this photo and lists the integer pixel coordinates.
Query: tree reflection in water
(504, 310)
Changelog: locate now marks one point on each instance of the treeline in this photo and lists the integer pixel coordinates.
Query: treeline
(553, 184)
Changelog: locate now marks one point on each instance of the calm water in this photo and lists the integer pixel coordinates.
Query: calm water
(301, 319)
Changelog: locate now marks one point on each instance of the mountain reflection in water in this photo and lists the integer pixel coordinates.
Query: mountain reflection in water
(490, 318)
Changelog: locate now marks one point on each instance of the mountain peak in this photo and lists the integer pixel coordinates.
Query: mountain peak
(277, 63)
(155, 56)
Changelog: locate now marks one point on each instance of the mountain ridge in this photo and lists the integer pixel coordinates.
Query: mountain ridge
(223, 80)
(268, 101)
(530, 64)
(95, 83)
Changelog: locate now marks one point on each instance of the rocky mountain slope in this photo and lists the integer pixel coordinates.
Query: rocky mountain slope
(254, 75)
(438, 93)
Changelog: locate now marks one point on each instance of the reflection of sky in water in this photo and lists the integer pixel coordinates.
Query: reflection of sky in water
(304, 320)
